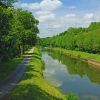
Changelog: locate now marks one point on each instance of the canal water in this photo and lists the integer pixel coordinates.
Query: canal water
(72, 75)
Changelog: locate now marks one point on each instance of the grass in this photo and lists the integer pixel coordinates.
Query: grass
(79, 54)
(33, 86)
(7, 67)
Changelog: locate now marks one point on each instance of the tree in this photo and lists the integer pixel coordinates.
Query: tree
(7, 2)
(18, 30)
(83, 39)
(24, 28)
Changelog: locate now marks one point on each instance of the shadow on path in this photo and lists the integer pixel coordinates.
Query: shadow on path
(10, 82)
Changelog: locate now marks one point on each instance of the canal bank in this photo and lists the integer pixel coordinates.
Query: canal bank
(72, 75)
(33, 86)
(93, 59)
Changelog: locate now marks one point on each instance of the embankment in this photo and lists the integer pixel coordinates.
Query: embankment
(93, 59)
(33, 86)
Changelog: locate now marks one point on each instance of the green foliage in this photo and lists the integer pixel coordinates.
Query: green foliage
(7, 67)
(18, 30)
(82, 39)
(72, 96)
(33, 86)
(73, 65)
(78, 54)
(7, 2)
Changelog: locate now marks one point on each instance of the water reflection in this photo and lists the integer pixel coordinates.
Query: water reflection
(72, 75)
(78, 67)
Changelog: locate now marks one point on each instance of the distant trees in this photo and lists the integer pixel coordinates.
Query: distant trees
(18, 30)
(83, 39)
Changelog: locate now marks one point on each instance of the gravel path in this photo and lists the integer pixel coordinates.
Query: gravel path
(10, 82)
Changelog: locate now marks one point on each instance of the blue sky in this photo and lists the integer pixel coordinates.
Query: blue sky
(56, 16)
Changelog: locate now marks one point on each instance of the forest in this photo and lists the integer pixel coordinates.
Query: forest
(79, 39)
(18, 30)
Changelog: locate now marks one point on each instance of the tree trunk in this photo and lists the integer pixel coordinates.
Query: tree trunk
(21, 49)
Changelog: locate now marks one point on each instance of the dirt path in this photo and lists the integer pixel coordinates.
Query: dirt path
(10, 82)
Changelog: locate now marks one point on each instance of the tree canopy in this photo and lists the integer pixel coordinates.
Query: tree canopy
(83, 39)
(7, 2)
(18, 30)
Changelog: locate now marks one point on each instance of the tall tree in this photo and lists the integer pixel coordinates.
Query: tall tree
(18, 30)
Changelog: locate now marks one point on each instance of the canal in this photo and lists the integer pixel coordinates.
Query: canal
(72, 75)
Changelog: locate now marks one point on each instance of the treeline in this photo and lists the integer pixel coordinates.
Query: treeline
(18, 30)
(82, 39)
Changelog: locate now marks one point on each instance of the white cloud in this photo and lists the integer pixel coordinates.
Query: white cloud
(70, 15)
(39, 13)
(61, 23)
(30, 6)
(72, 7)
(68, 18)
(50, 4)
(56, 26)
(47, 5)
(89, 16)
(53, 22)
(45, 16)
(27, 5)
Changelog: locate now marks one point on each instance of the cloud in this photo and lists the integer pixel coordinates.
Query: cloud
(72, 7)
(89, 16)
(30, 6)
(61, 23)
(50, 4)
(47, 5)
(54, 21)
(68, 18)
(44, 16)
(33, 6)
(49, 72)
(70, 15)
(57, 24)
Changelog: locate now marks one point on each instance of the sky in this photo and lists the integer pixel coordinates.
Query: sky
(56, 16)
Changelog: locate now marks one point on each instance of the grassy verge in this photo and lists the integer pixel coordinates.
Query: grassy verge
(7, 67)
(33, 86)
(78, 54)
